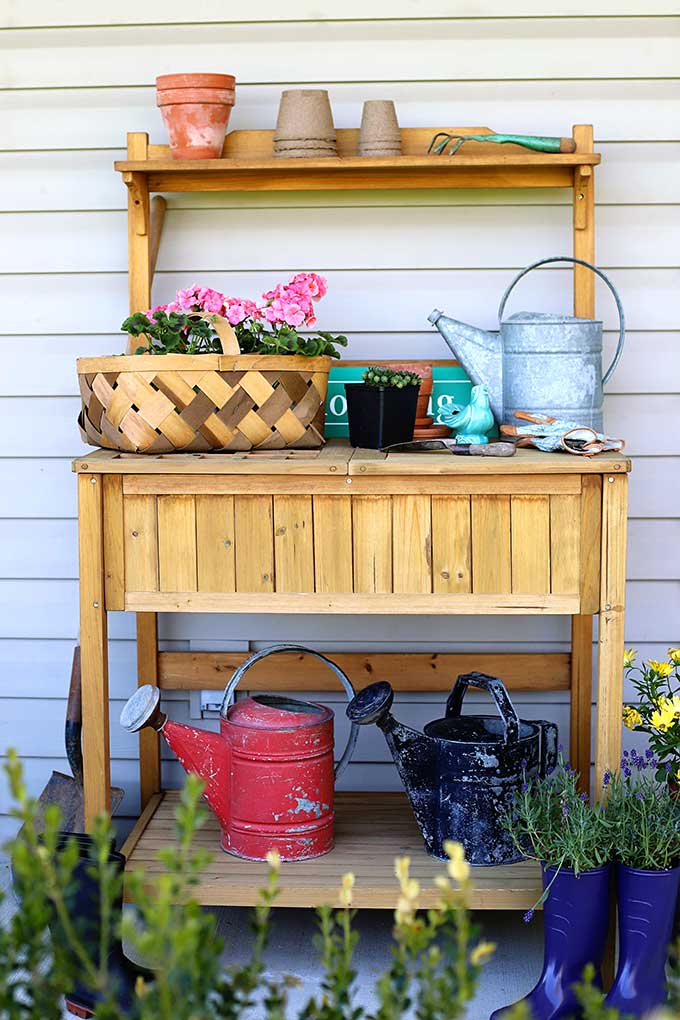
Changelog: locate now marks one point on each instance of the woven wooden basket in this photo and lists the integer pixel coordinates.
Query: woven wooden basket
(165, 403)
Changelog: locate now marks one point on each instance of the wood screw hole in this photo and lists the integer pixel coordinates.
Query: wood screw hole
(349, 481)
(610, 479)
(607, 607)
(580, 196)
(93, 481)
(135, 534)
(95, 605)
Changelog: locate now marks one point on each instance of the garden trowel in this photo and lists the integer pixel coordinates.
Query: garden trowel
(450, 446)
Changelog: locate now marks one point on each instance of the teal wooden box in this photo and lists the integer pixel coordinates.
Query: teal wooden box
(450, 385)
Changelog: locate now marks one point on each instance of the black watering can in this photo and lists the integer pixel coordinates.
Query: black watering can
(460, 774)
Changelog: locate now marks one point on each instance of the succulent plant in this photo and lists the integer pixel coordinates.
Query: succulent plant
(377, 376)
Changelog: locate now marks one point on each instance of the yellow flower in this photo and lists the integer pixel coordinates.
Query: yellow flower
(664, 716)
(482, 952)
(631, 717)
(345, 895)
(404, 912)
(442, 883)
(273, 859)
(674, 656)
(458, 868)
(662, 669)
(401, 866)
(629, 657)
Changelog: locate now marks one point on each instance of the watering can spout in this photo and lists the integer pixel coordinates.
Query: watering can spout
(414, 753)
(479, 352)
(200, 752)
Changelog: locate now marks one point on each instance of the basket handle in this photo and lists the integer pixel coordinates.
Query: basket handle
(224, 329)
(240, 672)
(598, 272)
(496, 688)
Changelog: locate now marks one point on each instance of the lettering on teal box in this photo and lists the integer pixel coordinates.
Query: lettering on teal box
(450, 385)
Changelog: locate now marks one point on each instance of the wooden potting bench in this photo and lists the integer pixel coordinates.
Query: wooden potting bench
(349, 531)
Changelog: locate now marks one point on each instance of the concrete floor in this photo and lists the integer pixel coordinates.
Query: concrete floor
(509, 975)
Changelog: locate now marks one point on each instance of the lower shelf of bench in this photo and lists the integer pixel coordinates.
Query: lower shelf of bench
(371, 829)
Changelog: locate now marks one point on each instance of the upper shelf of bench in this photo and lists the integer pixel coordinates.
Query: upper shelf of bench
(248, 164)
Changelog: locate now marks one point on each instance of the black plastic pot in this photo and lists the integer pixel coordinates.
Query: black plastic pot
(380, 415)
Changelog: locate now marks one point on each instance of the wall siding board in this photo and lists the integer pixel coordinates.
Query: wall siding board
(94, 242)
(64, 13)
(94, 118)
(472, 294)
(84, 71)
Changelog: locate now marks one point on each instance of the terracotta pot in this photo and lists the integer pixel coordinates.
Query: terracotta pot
(195, 110)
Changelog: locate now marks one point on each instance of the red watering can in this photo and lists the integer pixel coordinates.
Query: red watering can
(269, 774)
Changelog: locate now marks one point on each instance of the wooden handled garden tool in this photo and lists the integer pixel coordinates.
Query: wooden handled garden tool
(67, 791)
(450, 446)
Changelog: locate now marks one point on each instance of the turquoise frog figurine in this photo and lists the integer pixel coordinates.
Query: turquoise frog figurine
(471, 422)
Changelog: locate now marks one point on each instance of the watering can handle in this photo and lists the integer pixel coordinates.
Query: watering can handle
(496, 688)
(274, 649)
(598, 272)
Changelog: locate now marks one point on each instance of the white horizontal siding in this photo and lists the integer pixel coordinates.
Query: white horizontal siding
(74, 77)
(94, 118)
(64, 13)
(348, 51)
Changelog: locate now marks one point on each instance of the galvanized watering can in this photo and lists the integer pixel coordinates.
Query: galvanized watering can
(462, 772)
(269, 773)
(538, 362)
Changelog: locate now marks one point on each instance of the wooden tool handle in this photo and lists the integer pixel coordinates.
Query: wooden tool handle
(74, 705)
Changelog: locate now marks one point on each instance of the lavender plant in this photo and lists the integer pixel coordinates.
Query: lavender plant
(643, 815)
(553, 822)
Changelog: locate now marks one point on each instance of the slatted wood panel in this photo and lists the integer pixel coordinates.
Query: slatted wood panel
(332, 543)
(370, 831)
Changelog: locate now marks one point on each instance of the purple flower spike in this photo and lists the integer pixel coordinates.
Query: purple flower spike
(560, 748)
(523, 763)
(584, 797)
(565, 809)
(524, 787)
(668, 767)
(649, 754)
(529, 916)
(627, 772)
(625, 754)
(640, 795)
(607, 778)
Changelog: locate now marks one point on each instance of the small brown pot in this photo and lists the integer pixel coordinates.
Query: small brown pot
(195, 110)
(379, 134)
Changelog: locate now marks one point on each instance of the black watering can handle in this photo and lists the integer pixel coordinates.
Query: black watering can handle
(496, 688)
(598, 272)
(240, 672)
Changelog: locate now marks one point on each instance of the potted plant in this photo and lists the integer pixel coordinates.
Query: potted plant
(555, 824)
(645, 822)
(381, 410)
(657, 713)
(214, 373)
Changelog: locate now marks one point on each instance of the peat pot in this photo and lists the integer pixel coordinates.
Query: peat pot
(269, 773)
(462, 772)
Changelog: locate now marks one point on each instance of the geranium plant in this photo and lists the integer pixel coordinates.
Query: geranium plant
(658, 711)
(189, 324)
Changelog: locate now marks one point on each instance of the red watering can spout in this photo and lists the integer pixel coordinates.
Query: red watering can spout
(200, 752)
